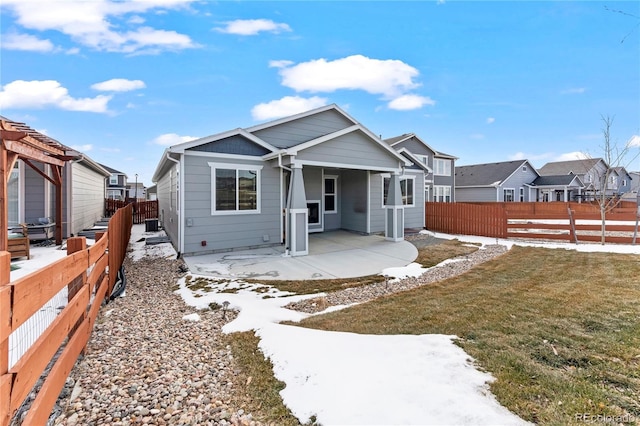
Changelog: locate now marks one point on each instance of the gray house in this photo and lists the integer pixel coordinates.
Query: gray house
(116, 184)
(592, 172)
(505, 181)
(558, 188)
(277, 182)
(437, 166)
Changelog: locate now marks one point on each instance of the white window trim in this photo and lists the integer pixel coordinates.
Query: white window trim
(113, 179)
(236, 167)
(504, 190)
(402, 177)
(437, 161)
(437, 189)
(335, 194)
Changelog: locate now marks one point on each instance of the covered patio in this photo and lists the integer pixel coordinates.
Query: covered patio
(334, 254)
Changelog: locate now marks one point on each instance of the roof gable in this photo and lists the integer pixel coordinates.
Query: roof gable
(236, 144)
(400, 141)
(577, 167)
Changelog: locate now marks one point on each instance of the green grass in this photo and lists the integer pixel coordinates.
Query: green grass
(560, 330)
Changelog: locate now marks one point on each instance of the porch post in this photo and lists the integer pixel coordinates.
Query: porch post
(298, 223)
(394, 215)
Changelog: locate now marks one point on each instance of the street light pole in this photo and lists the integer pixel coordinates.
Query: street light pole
(136, 187)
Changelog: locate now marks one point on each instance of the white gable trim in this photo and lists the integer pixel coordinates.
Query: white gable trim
(415, 160)
(298, 116)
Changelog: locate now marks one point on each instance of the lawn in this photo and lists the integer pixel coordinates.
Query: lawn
(559, 329)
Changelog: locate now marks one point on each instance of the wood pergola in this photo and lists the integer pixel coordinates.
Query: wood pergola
(20, 141)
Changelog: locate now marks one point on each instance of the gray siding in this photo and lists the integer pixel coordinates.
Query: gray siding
(87, 201)
(413, 216)
(518, 180)
(34, 189)
(225, 232)
(416, 147)
(353, 213)
(377, 214)
(305, 129)
(475, 194)
(354, 148)
(168, 214)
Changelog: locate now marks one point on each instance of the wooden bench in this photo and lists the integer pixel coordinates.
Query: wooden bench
(18, 243)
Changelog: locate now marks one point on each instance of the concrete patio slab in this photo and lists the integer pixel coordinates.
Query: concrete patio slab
(334, 254)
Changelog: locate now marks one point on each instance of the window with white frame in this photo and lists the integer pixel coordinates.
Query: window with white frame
(441, 194)
(235, 188)
(521, 194)
(441, 167)
(330, 194)
(407, 185)
(424, 159)
(113, 180)
(508, 194)
(426, 192)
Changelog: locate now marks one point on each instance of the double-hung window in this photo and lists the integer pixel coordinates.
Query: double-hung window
(508, 195)
(441, 167)
(235, 188)
(406, 188)
(330, 194)
(441, 194)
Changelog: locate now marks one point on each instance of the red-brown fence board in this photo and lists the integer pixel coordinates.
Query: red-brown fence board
(142, 210)
(21, 298)
(503, 219)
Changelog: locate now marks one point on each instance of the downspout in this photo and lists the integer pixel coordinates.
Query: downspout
(181, 201)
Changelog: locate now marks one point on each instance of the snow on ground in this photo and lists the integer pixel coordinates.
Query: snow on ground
(346, 378)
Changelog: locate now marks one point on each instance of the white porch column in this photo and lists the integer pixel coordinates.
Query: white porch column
(298, 223)
(394, 214)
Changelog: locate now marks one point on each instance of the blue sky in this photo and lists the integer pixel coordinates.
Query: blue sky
(484, 81)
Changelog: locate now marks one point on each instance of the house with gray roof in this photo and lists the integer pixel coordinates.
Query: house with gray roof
(592, 172)
(276, 182)
(503, 181)
(438, 167)
(558, 188)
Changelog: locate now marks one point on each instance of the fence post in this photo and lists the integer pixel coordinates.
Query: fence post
(75, 244)
(6, 380)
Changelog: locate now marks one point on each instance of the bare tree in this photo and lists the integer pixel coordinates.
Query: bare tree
(607, 194)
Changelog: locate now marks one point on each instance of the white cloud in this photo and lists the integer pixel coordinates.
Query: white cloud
(476, 136)
(572, 156)
(26, 42)
(253, 27)
(98, 24)
(573, 91)
(169, 139)
(289, 105)
(633, 142)
(391, 78)
(280, 64)
(408, 102)
(491, 120)
(119, 85)
(112, 150)
(20, 94)
(82, 148)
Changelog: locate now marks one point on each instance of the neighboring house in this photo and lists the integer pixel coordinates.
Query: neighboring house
(592, 172)
(437, 166)
(137, 191)
(276, 182)
(558, 188)
(32, 193)
(116, 184)
(505, 181)
(152, 193)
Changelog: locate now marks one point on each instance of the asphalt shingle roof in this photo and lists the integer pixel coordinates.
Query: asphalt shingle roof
(486, 174)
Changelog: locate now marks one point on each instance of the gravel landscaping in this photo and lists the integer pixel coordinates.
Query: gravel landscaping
(146, 364)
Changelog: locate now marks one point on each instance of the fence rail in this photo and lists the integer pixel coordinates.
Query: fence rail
(88, 274)
(553, 221)
(142, 210)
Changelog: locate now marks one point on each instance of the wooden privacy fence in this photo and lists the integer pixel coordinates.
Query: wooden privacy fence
(88, 274)
(142, 210)
(571, 221)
